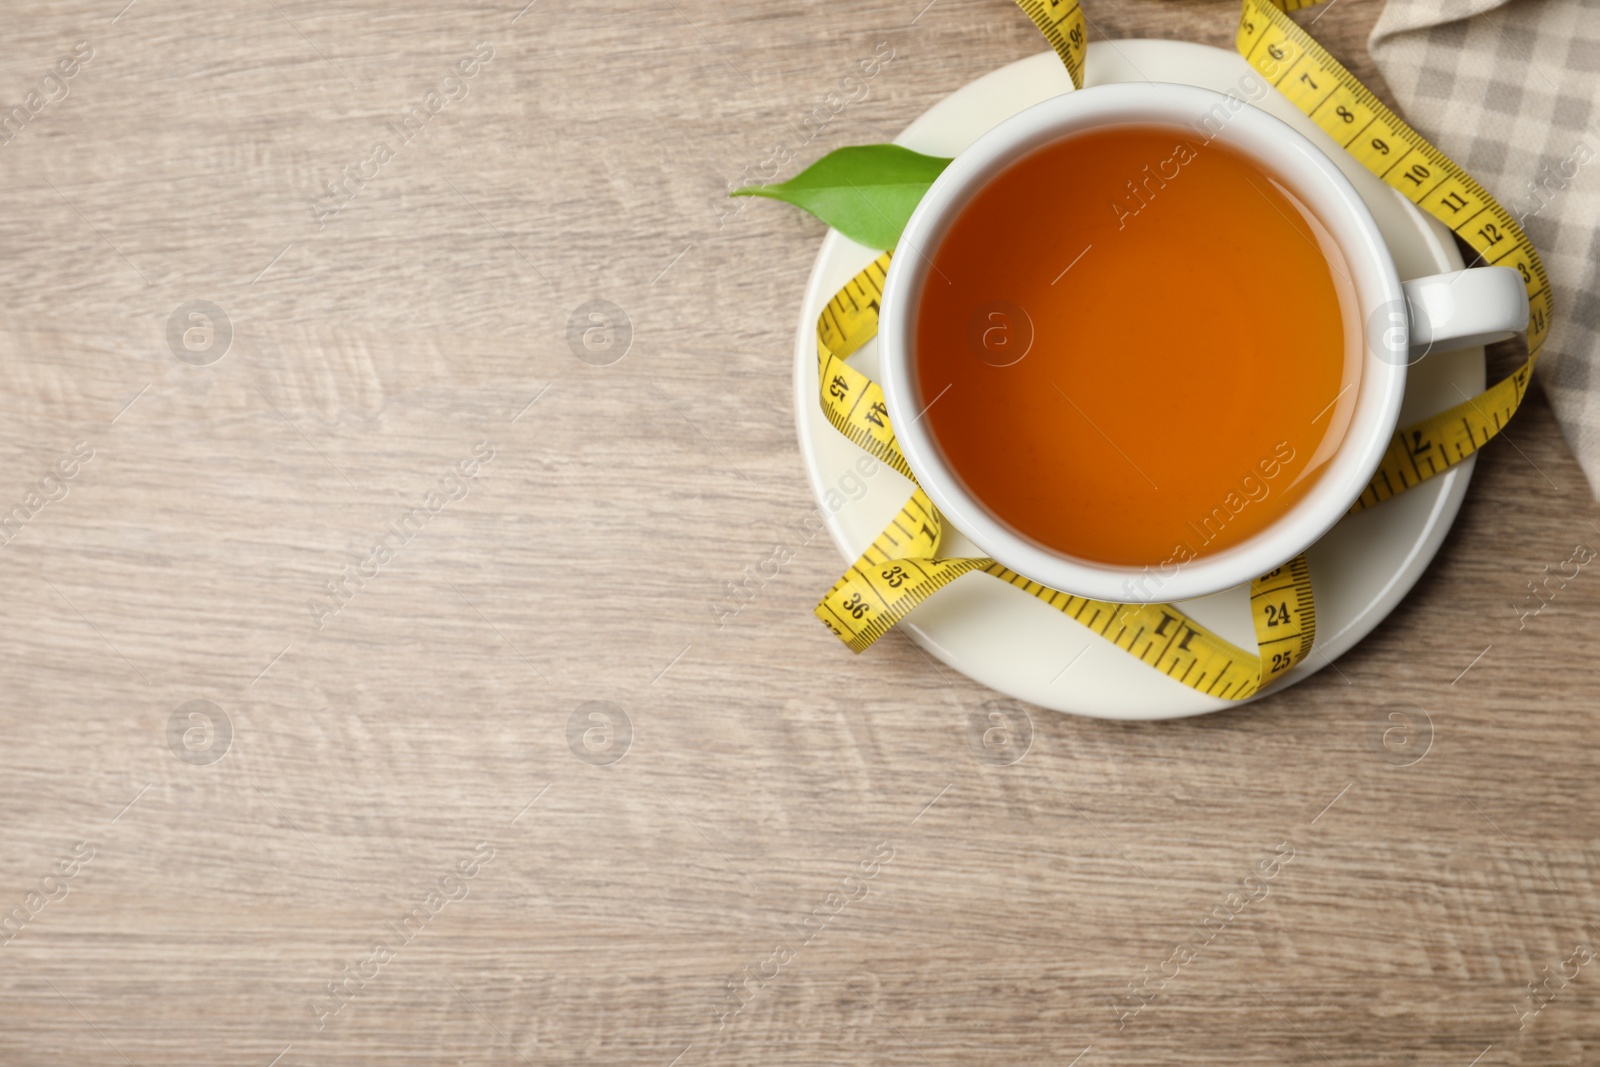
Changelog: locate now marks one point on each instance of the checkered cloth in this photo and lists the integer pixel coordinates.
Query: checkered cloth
(1510, 89)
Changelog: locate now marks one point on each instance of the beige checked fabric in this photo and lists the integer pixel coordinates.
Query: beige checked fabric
(1511, 90)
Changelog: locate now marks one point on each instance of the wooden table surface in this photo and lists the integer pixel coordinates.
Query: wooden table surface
(393, 830)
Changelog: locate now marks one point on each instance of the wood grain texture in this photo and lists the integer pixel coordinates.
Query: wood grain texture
(370, 757)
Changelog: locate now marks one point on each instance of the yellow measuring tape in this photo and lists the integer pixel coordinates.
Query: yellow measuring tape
(1348, 112)
(902, 567)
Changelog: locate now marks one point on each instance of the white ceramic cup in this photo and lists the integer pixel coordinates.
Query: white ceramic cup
(1403, 321)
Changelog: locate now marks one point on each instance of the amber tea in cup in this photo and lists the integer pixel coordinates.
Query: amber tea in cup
(1135, 347)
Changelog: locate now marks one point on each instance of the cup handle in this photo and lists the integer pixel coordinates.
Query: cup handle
(1465, 308)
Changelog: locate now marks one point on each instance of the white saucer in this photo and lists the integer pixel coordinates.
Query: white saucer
(1009, 641)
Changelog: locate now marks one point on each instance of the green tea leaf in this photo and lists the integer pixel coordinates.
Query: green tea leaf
(866, 192)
